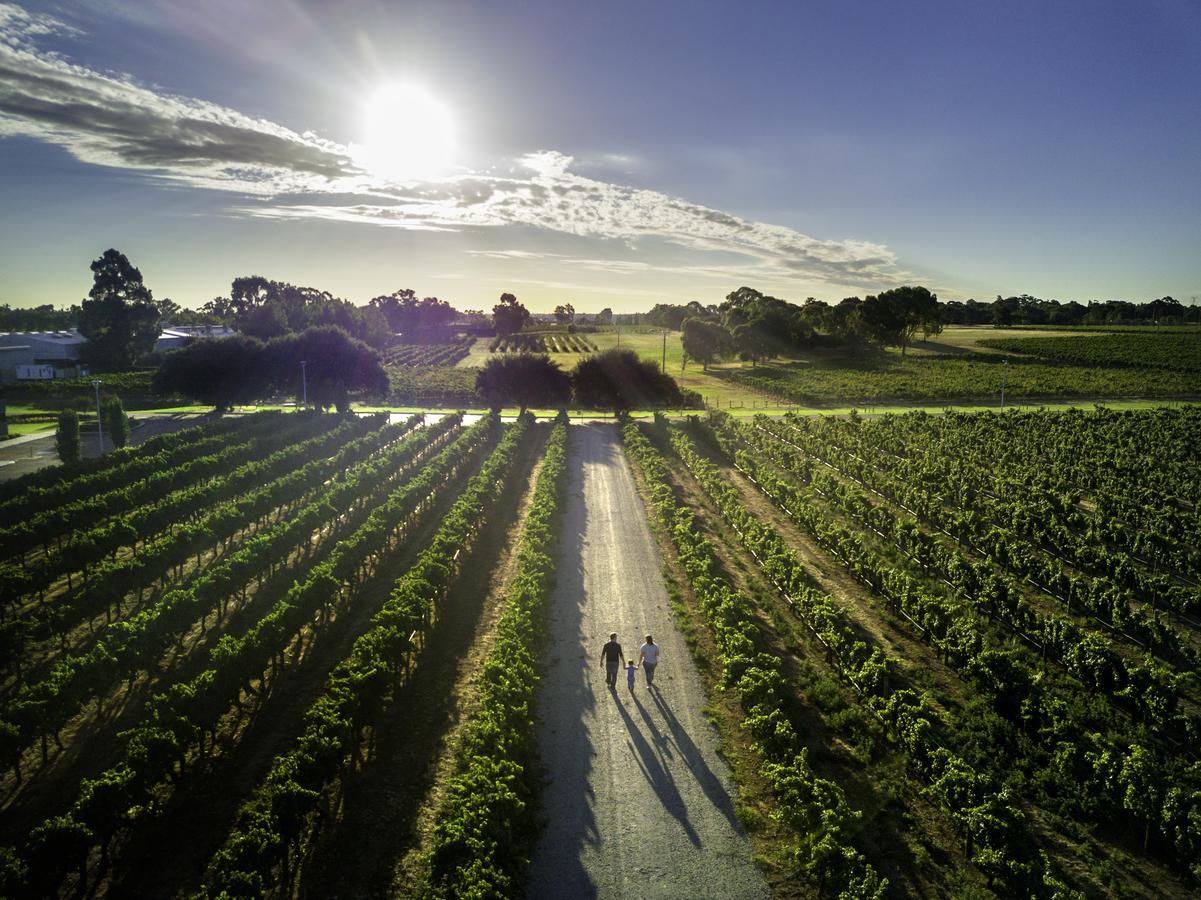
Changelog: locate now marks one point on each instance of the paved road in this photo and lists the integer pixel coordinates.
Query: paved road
(29, 453)
(638, 802)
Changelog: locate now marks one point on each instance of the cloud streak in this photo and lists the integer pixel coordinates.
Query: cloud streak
(110, 120)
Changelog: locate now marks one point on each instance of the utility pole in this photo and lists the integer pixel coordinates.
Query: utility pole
(1004, 379)
(304, 381)
(99, 423)
(663, 366)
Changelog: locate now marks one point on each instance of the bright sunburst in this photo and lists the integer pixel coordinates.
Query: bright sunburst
(409, 134)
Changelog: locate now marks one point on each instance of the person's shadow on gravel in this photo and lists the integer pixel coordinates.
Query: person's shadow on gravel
(717, 793)
(660, 779)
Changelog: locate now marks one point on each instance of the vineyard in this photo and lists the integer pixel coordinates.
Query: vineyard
(290, 654)
(448, 354)
(960, 379)
(240, 604)
(1178, 351)
(550, 342)
(1010, 600)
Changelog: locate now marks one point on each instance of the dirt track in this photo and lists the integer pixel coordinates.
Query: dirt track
(638, 802)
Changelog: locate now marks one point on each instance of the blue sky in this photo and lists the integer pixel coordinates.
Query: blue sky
(616, 154)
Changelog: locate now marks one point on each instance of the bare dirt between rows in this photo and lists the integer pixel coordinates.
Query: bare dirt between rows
(638, 801)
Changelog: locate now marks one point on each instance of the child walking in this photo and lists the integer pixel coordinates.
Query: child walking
(631, 669)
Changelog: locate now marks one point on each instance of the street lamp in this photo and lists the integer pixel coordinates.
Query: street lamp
(99, 423)
(304, 381)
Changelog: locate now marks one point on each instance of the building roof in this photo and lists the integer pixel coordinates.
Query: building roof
(65, 338)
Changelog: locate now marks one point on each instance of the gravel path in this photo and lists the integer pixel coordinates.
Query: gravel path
(638, 802)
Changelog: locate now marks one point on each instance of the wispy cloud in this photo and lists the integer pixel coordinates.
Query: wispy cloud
(111, 120)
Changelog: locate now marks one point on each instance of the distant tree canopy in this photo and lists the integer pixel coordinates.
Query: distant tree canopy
(672, 316)
(564, 313)
(415, 319)
(266, 309)
(119, 317)
(229, 371)
(619, 380)
(335, 365)
(604, 317)
(38, 318)
(221, 372)
(523, 380)
(509, 316)
(894, 317)
(705, 340)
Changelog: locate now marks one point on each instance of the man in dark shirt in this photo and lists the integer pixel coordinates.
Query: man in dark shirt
(611, 658)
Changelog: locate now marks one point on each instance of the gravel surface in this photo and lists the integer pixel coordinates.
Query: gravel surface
(638, 802)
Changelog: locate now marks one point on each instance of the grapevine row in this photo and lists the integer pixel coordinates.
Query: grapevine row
(273, 821)
(188, 714)
(481, 839)
(816, 808)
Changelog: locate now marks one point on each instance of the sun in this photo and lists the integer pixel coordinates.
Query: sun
(409, 134)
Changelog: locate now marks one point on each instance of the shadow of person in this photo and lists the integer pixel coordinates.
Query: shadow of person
(656, 773)
(712, 786)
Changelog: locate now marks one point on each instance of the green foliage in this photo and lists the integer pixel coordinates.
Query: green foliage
(116, 422)
(358, 689)
(509, 316)
(221, 372)
(887, 378)
(1176, 351)
(334, 365)
(66, 437)
(485, 824)
(523, 380)
(815, 808)
(705, 341)
(619, 380)
(119, 317)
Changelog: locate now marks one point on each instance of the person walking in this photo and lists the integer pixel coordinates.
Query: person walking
(611, 658)
(648, 657)
(631, 671)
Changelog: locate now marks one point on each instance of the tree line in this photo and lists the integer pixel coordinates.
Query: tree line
(755, 326)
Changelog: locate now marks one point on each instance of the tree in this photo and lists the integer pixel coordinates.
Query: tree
(263, 322)
(705, 341)
(394, 306)
(116, 422)
(335, 364)
(620, 381)
(754, 341)
(523, 379)
(119, 317)
(604, 317)
(217, 371)
(672, 316)
(565, 314)
(894, 317)
(509, 316)
(66, 438)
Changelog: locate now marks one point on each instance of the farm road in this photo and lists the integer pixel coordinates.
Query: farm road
(638, 802)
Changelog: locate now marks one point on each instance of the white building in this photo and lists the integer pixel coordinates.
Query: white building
(40, 354)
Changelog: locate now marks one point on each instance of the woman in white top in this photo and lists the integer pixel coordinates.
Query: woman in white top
(648, 657)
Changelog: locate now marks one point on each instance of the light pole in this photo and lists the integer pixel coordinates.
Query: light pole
(99, 423)
(304, 382)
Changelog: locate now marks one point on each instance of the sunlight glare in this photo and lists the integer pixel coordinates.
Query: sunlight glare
(409, 134)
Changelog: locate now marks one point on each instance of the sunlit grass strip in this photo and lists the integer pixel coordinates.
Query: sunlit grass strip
(486, 823)
(815, 808)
